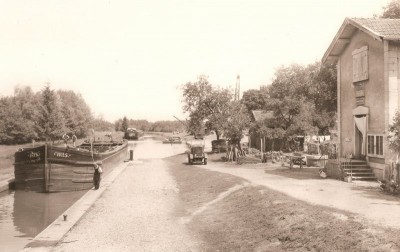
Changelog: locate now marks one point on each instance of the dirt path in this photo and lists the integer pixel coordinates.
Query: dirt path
(135, 214)
(363, 199)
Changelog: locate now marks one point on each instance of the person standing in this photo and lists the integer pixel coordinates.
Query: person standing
(65, 137)
(74, 138)
(97, 176)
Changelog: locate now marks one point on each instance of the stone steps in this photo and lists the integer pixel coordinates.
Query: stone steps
(358, 170)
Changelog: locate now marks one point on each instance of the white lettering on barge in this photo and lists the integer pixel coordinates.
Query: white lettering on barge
(62, 154)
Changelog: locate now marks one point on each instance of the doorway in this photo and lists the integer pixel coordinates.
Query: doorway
(360, 131)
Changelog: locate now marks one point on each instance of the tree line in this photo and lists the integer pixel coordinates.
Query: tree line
(42, 115)
(301, 98)
(144, 125)
(47, 114)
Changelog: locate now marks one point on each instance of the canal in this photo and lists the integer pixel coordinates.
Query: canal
(25, 214)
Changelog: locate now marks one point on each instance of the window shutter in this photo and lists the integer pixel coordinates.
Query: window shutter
(360, 64)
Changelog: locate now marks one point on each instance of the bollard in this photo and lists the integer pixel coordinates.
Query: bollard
(65, 217)
(131, 155)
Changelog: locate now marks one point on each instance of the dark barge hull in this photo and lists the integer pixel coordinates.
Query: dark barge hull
(55, 169)
(133, 134)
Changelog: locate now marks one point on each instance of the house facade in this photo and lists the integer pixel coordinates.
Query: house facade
(367, 53)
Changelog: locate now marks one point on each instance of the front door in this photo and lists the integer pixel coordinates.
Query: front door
(360, 131)
(357, 143)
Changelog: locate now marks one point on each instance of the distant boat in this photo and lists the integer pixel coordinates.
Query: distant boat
(133, 134)
(50, 168)
(173, 140)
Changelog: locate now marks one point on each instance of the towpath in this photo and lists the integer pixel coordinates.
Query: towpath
(135, 214)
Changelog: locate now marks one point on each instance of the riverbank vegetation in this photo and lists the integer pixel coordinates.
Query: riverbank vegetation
(29, 116)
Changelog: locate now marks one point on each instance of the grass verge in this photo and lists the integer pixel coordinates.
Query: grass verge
(256, 218)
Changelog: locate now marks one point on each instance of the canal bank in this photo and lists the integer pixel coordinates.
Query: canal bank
(57, 230)
(6, 185)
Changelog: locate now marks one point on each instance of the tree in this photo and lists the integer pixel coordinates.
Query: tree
(324, 94)
(215, 107)
(77, 114)
(394, 134)
(18, 116)
(255, 99)
(194, 94)
(117, 125)
(124, 124)
(206, 105)
(99, 124)
(304, 99)
(391, 10)
(290, 99)
(50, 120)
(14, 127)
(237, 123)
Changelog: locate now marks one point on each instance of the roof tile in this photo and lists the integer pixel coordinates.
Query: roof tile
(386, 28)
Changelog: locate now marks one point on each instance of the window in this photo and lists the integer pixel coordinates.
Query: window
(360, 64)
(375, 145)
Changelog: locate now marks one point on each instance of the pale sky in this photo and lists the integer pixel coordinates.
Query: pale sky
(129, 57)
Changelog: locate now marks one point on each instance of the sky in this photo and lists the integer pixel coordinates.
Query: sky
(130, 58)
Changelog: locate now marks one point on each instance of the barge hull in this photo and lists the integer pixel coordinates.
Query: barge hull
(58, 169)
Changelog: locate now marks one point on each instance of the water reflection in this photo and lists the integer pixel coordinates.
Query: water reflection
(24, 214)
(149, 148)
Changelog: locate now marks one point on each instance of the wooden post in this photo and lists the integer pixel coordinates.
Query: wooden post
(46, 170)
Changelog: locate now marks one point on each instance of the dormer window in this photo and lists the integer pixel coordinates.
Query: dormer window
(360, 64)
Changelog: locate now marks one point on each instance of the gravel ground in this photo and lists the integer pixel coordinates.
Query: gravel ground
(148, 196)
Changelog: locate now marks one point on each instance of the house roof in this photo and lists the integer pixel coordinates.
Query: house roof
(380, 29)
(261, 115)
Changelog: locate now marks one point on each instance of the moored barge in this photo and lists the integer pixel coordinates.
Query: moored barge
(50, 168)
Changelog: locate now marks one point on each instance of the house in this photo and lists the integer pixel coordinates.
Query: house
(367, 53)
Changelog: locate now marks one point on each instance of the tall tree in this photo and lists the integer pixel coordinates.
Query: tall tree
(324, 95)
(255, 99)
(50, 120)
(304, 98)
(207, 105)
(216, 108)
(237, 122)
(77, 114)
(18, 116)
(124, 124)
(290, 100)
(117, 125)
(194, 94)
(391, 10)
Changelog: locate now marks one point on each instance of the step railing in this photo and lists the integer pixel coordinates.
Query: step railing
(345, 164)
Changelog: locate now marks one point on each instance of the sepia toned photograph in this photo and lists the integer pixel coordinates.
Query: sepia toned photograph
(199, 125)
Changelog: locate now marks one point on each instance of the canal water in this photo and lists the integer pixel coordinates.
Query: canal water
(25, 214)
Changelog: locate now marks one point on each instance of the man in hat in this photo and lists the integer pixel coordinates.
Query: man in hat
(97, 176)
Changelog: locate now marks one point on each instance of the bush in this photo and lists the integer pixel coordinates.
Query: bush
(391, 186)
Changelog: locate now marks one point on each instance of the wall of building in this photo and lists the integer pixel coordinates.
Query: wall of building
(392, 78)
(374, 86)
(373, 90)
